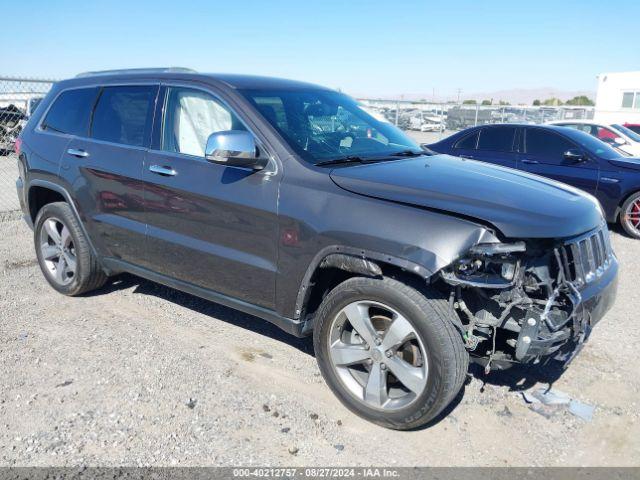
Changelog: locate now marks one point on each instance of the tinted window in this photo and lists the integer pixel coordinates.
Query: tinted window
(497, 139)
(70, 112)
(469, 142)
(546, 144)
(627, 100)
(123, 114)
(190, 117)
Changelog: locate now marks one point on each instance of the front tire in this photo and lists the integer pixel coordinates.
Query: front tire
(63, 252)
(630, 215)
(391, 354)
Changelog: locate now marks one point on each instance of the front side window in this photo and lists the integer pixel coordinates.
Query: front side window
(548, 145)
(70, 112)
(191, 116)
(497, 139)
(323, 125)
(123, 114)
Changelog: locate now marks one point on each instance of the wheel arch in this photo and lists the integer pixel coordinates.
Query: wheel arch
(624, 198)
(336, 263)
(42, 192)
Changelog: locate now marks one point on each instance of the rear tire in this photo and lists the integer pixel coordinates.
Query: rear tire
(434, 353)
(64, 254)
(630, 215)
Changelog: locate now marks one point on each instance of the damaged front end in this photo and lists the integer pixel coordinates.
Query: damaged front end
(531, 300)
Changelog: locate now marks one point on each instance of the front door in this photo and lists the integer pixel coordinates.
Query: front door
(544, 155)
(210, 225)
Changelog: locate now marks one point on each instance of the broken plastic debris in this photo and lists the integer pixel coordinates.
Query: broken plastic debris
(581, 410)
(551, 397)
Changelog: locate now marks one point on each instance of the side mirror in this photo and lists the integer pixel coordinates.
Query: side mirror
(234, 148)
(619, 141)
(574, 155)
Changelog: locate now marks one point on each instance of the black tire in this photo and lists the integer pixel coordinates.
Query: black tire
(431, 317)
(88, 274)
(625, 222)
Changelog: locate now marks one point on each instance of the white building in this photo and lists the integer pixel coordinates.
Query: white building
(618, 98)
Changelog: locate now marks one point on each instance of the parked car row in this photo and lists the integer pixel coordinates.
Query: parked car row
(12, 120)
(569, 155)
(290, 202)
(618, 136)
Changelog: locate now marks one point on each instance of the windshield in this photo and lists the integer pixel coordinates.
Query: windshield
(592, 144)
(324, 125)
(628, 132)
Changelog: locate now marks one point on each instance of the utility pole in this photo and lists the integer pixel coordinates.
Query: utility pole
(459, 92)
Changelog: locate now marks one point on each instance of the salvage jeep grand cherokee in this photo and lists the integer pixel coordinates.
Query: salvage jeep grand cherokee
(289, 202)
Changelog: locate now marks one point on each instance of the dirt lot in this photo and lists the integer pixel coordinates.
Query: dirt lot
(138, 374)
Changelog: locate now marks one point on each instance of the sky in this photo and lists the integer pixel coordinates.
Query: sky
(373, 48)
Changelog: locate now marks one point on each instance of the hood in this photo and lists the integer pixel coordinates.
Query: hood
(520, 205)
(630, 163)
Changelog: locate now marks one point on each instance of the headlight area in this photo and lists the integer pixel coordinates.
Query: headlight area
(513, 302)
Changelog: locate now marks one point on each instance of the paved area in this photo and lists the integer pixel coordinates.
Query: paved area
(138, 374)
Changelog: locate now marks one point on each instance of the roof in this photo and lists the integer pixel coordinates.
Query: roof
(236, 81)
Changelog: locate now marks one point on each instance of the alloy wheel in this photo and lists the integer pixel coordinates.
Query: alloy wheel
(58, 251)
(378, 355)
(632, 215)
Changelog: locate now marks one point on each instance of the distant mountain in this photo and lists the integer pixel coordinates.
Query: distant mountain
(514, 96)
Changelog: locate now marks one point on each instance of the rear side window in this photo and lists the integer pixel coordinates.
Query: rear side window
(547, 144)
(123, 114)
(70, 112)
(497, 139)
(469, 142)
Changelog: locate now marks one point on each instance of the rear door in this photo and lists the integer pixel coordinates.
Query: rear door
(543, 154)
(497, 145)
(211, 225)
(105, 168)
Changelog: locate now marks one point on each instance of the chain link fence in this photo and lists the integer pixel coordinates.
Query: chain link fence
(19, 97)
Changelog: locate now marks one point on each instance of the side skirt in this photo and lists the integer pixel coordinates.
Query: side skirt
(289, 325)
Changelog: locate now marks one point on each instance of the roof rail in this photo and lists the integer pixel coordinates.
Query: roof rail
(137, 70)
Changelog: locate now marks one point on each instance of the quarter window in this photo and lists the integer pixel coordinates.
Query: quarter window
(70, 112)
(497, 139)
(468, 143)
(548, 145)
(191, 116)
(123, 114)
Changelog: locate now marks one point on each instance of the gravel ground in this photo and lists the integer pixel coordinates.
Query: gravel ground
(139, 374)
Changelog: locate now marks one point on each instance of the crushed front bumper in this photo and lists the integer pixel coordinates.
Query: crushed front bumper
(537, 340)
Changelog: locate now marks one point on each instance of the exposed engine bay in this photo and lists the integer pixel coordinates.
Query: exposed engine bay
(516, 303)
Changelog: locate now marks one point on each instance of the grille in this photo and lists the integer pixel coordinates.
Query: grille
(587, 257)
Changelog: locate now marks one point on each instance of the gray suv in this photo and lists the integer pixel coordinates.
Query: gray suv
(289, 202)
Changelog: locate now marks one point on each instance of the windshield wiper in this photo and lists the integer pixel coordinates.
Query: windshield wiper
(338, 161)
(380, 158)
(408, 153)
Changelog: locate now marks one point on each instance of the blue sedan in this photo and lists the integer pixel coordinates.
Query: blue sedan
(564, 154)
